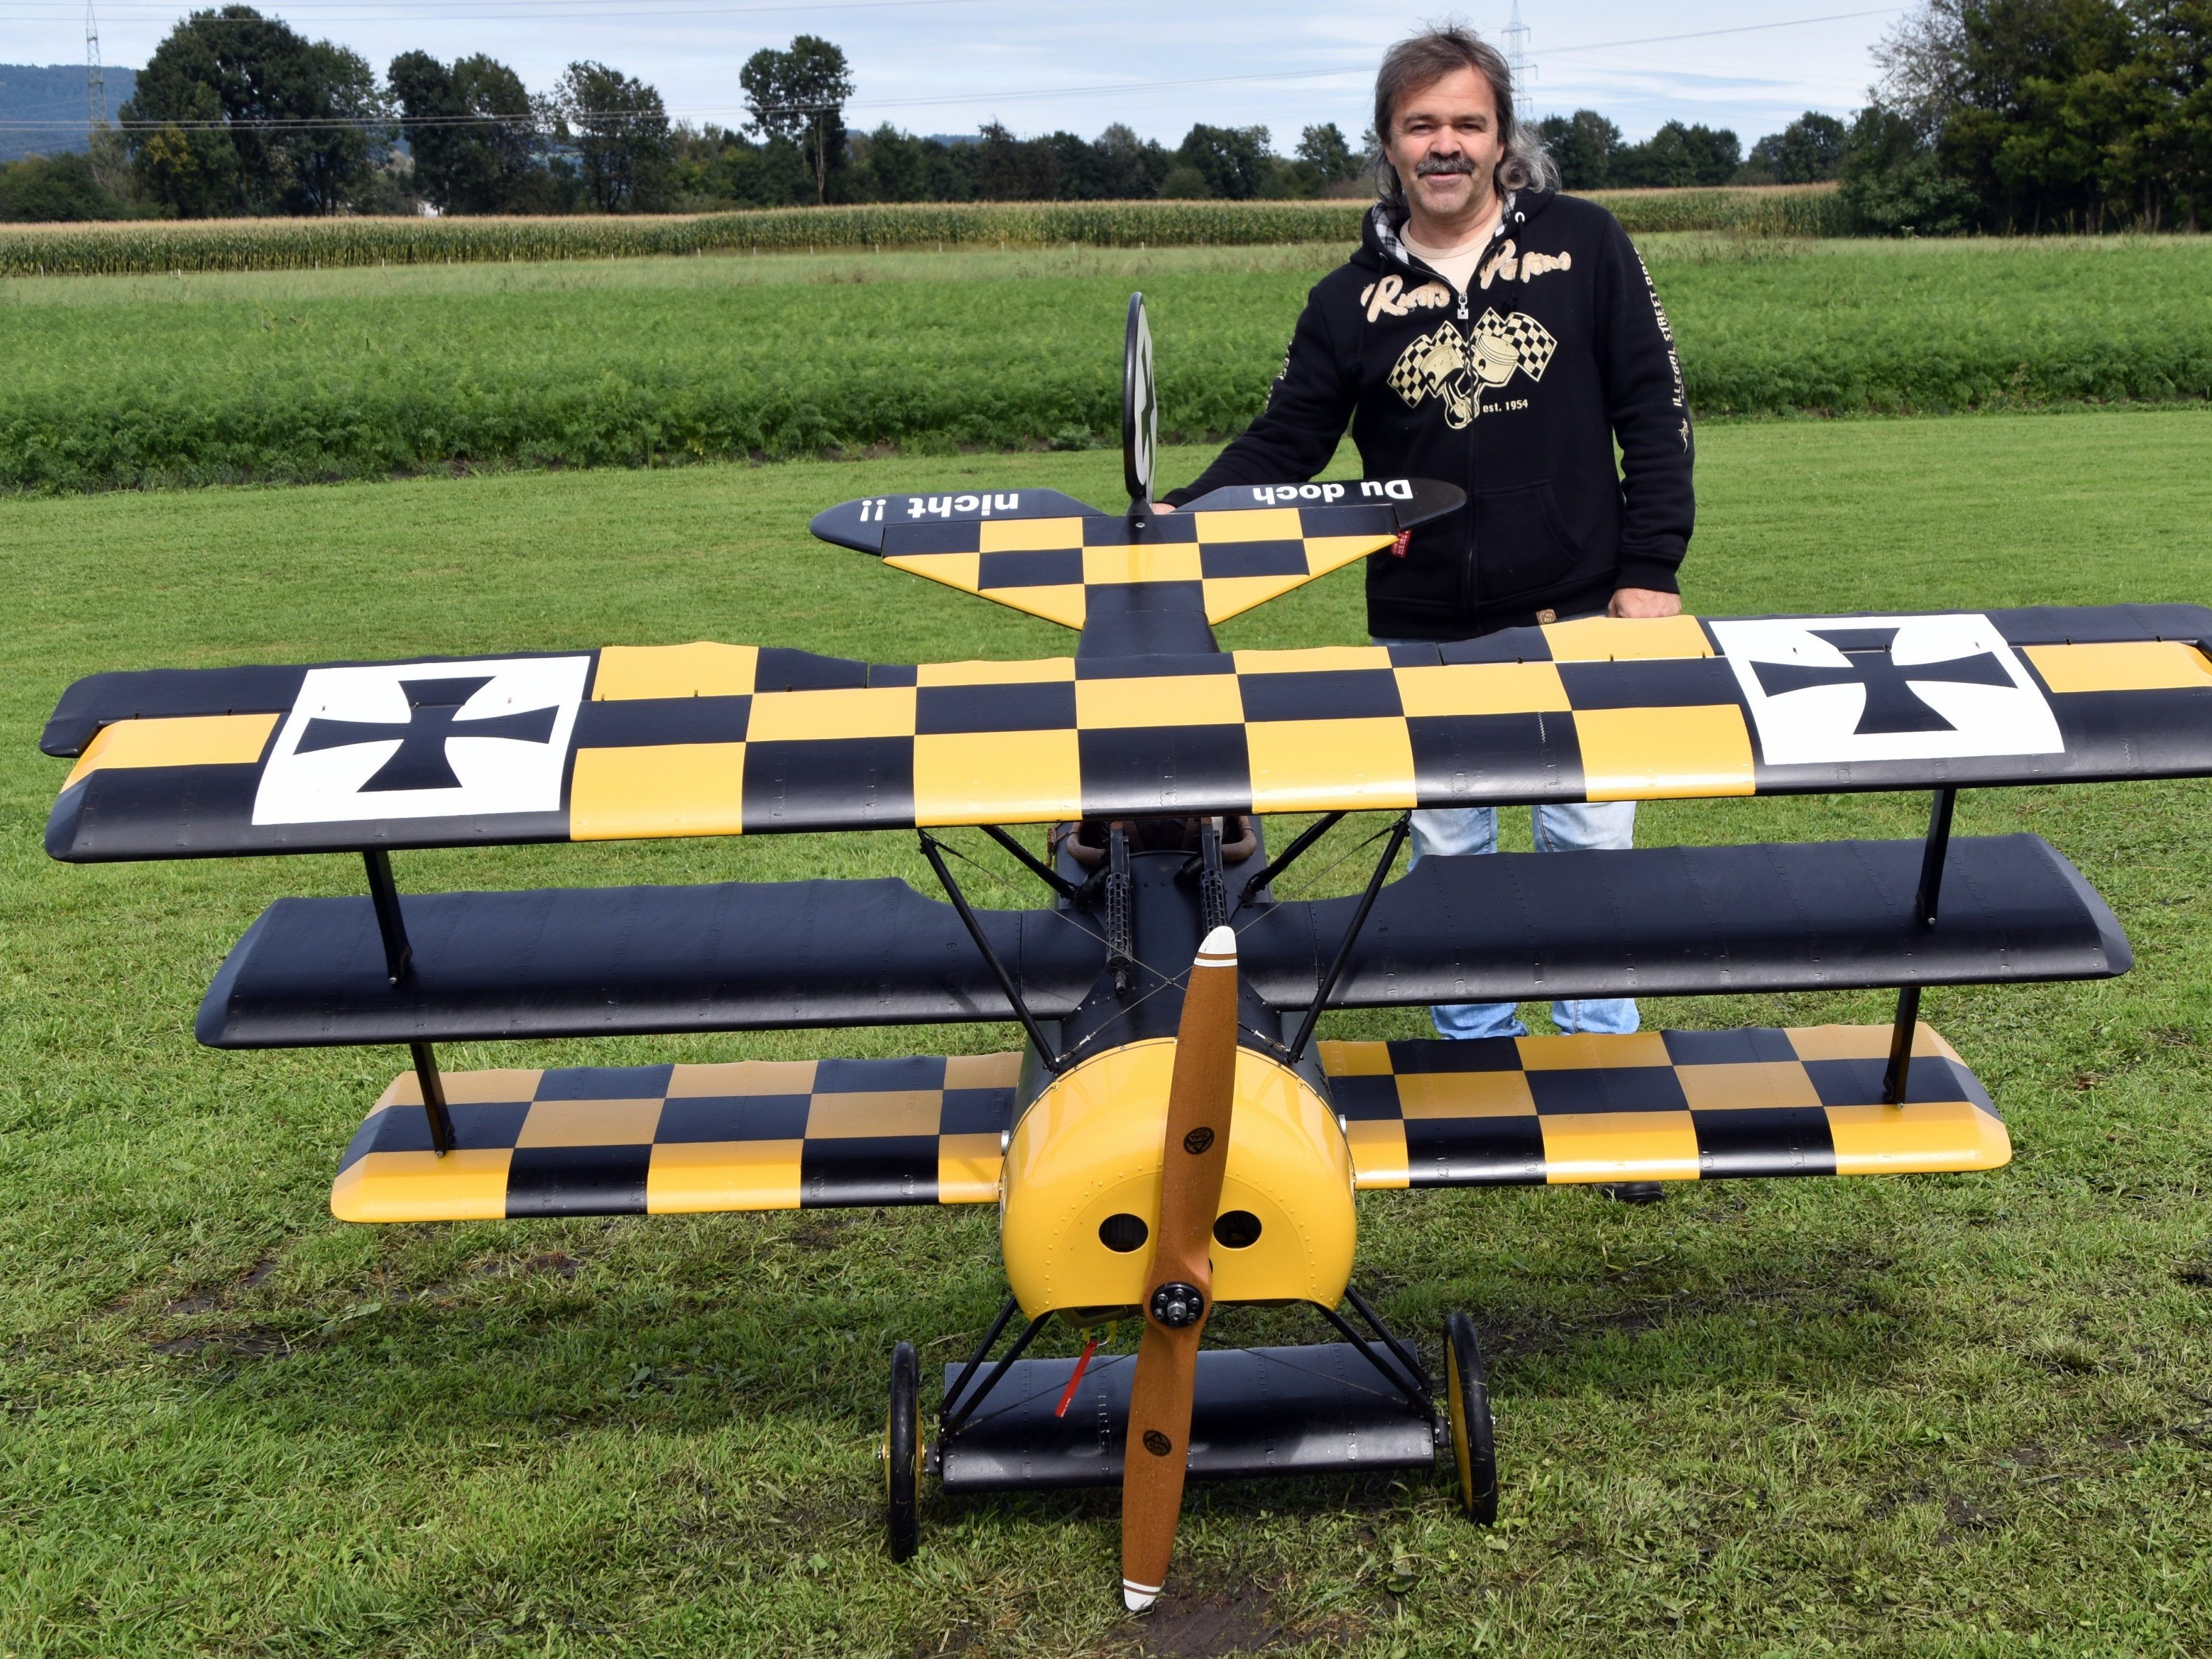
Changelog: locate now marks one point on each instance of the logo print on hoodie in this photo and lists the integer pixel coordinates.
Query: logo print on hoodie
(1457, 368)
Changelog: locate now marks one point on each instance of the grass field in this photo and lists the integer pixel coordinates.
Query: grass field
(1944, 1415)
(307, 375)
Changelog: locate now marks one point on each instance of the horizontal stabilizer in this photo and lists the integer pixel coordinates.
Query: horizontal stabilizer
(1696, 921)
(1046, 553)
(668, 1140)
(1222, 562)
(617, 961)
(1657, 1106)
(707, 740)
(1415, 502)
(861, 524)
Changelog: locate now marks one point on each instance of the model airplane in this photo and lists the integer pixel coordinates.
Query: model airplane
(1170, 1140)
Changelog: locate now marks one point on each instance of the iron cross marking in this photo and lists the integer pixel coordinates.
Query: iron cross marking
(1892, 704)
(432, 706)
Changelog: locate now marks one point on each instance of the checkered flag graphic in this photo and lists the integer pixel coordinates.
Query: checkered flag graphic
(1427, 363)
(1531, 342)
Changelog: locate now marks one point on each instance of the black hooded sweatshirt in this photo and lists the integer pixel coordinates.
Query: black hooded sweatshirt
(1517, 391)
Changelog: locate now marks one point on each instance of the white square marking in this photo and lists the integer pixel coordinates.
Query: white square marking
(1823, 689)
(424, 740)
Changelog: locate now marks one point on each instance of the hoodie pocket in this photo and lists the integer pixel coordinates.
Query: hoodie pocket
(1521, 542)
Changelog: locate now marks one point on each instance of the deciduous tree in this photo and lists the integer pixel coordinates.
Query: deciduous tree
(1324, 148)
(472, 130)
(619, 128)
(1581, 145)
(302, 120)
(1807, 151)
(1234, 161)
(798, 95)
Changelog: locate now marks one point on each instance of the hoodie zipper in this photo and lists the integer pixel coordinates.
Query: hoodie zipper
(1468, 584)
(1510, 217)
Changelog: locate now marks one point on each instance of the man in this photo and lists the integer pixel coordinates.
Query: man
(1493, 334)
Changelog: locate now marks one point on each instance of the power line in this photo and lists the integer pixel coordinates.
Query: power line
(1740, 28)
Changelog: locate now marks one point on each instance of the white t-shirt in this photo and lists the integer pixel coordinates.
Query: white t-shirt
(1455, 264)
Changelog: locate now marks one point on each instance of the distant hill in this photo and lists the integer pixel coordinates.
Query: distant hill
(34, 93)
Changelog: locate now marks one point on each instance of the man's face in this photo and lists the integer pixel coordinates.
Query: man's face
(1444, 143)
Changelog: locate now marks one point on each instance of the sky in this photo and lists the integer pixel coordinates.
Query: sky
(1158, 65)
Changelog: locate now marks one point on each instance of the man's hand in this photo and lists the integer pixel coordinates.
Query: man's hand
(1162, 507)
(1643, 602)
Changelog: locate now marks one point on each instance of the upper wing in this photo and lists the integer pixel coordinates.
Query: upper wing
(1043, 553)
(712, 739)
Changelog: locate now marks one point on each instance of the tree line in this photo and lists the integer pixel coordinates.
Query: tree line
(1992, 114)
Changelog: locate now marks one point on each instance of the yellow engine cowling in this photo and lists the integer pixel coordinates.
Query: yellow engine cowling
(1089, 1148)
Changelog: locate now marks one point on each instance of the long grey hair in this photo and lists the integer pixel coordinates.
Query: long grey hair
(1424, 59)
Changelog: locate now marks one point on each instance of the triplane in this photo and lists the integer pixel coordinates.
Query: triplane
(1171, 1138)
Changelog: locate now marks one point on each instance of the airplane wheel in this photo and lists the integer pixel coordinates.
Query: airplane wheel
(1466, 1402)
(901, 1454)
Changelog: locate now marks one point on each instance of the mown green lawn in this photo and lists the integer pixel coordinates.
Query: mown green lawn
(316, 375)
(1956, 1415)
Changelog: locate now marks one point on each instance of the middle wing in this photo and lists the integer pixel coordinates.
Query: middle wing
(630, 742)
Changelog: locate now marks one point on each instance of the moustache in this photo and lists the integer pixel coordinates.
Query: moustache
(1429, 166)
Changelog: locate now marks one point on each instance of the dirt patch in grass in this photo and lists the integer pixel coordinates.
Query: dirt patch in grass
(1213, 1618)
(256, 1342)
(208, 1300)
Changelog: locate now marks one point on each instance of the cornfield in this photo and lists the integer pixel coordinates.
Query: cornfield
(143, 248)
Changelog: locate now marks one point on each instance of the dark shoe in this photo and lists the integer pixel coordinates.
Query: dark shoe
(1634, 1192)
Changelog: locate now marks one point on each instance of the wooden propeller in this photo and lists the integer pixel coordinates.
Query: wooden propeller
(1179, 1287)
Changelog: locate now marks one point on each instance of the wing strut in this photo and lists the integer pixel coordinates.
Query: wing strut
(1307, 837)
(1398, 832)
(390, 926)
(1051, 1061)
(1895, 1080)
(433, 1097)
(398, 956)
(1051, 878)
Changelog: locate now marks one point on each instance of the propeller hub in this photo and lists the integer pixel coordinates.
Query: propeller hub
(1176, 1305)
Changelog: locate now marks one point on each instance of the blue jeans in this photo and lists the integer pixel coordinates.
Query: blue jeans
(1463, 831)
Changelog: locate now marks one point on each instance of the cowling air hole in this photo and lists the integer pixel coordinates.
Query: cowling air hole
(1237, 1229)
(1124, 1233)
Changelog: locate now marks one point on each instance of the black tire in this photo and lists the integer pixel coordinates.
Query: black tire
(1466, 1403)
(903, 1454)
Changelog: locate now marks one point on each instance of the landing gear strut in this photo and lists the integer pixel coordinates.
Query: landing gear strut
(1307, 1409)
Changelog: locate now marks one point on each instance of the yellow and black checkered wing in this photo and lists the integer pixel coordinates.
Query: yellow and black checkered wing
(698, 739)
(666, 1140)
(1657, 1106)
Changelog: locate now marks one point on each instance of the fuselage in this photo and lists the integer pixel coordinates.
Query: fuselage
(1081, 1188)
